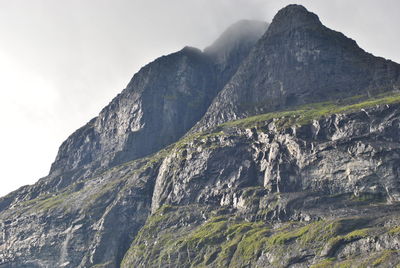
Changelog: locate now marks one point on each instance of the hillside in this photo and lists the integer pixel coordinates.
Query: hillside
(276, 146)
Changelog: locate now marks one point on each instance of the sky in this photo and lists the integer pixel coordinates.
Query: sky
(61, 61)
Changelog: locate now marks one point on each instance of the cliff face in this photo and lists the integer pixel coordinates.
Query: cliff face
(86, 223)
(316, 183)
(160, 104)
(297, 61)
(65, 219)
(262, 194)
(152, 112)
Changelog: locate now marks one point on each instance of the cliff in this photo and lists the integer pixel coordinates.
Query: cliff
(277, 146)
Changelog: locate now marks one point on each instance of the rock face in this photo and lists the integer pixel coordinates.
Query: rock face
(139, 186)
(86, 223)
(152, 112)
(297, 61)
(343, 153)
(238, 196)
(160, 104)
(65, 218)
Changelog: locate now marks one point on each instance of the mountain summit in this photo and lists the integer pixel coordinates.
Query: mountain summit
(166, 176)
(293, 17)
(298, 61)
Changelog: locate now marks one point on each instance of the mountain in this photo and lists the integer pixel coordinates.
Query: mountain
(297, 61)
(167, 176)
(152, 112)
(159, 105)
(267, 192)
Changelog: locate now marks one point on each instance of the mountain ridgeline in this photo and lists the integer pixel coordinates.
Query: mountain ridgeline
(276, 146)
(160, 104)
(298, 61)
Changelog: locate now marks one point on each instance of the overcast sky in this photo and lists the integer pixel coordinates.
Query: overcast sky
(61, 61)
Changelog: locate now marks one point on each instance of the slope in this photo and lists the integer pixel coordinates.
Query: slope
(90, 206)
(297, 61)
(315, 184)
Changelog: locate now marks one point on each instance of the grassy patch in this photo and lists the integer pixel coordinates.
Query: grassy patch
(230, 241)
(212, 232)
(384, 257)
(307, 113)
(334, 243)
(368, 198)
(324, 264)
(58, 200)
(282, 238)
(252, 243)
(395, 230)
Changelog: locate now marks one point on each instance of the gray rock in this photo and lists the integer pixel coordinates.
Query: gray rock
(132, 188)
(338, 174)
(297, 61)
(78, 215)
(159, 105)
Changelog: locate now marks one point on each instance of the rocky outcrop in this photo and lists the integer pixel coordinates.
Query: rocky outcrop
(87, 223)
(263, 195)
(313, 185)
(297, 61)
(344, 153)
(322, 186)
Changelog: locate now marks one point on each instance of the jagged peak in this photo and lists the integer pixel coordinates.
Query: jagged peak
(292, 17)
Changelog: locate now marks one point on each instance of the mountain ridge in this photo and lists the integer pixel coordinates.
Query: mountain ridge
(173, 101)
(157, 180)
(290, 54)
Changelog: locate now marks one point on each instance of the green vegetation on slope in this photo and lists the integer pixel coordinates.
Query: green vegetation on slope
(230, 241)
(307, 113)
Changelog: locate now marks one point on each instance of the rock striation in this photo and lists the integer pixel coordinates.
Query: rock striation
(166, 176)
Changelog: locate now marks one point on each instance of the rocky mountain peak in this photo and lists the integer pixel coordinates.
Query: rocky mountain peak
(159, 105)
(312, 185)
(297, 61)
(292, 17)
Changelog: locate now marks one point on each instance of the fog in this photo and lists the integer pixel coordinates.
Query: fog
(62, 61)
